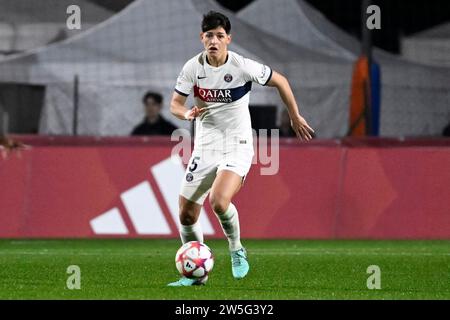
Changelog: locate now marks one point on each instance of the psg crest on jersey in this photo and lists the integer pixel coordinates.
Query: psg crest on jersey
(228, 77)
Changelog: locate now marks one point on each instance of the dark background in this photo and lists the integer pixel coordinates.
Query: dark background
(398, 17)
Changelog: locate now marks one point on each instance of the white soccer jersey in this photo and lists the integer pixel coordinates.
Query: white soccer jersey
(225, 92)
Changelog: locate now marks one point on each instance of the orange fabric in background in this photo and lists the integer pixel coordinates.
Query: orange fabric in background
(357, 99)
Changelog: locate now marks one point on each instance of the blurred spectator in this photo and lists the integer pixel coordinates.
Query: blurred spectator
(154, 123)
(285, 125)
(446, 131)
(7, 145)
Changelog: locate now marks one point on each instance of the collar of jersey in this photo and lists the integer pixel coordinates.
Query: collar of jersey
(205, 58)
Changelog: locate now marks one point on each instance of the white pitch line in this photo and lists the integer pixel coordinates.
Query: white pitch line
(99, 254)
(251, 252)
(348, 253)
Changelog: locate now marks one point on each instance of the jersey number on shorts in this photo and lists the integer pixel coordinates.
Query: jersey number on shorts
(194, 164)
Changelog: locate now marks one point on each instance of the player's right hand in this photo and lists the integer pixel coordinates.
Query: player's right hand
(194, 113)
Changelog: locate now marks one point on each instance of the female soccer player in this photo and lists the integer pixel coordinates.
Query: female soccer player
(223, 147)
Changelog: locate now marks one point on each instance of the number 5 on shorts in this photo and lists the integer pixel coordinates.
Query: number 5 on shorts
(194, 164)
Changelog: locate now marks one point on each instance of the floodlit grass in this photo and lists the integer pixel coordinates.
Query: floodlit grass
(279, 269)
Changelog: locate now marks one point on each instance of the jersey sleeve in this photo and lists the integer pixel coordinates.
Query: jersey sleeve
(256, 72)
(185, 80)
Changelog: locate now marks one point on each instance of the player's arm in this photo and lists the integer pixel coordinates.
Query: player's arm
(298, 123)
(179, 110)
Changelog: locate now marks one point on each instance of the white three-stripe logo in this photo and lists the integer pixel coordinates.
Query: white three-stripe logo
(143, 208)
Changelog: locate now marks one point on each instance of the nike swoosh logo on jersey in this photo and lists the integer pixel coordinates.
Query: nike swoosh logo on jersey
(198, 77)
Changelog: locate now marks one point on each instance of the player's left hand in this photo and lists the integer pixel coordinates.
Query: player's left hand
(8, 146)
(301, 128)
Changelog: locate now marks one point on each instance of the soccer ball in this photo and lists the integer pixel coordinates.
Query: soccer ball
(194, 260)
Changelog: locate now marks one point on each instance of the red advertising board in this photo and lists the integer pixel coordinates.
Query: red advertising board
(128, 187)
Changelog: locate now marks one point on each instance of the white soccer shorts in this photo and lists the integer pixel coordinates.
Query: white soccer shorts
(204, 165)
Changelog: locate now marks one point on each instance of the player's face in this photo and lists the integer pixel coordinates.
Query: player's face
(216, 42)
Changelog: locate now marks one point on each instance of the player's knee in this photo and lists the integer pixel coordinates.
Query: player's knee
(187, 217)
(219, 204)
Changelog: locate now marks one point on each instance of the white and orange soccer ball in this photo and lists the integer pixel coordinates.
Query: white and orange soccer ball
(194, 260)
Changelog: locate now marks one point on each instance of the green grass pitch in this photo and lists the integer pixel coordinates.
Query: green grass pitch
(279, 269)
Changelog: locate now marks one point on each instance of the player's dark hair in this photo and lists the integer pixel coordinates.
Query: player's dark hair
(214, 19)
(156, 96)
